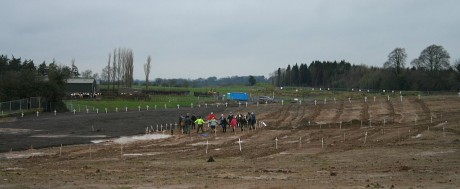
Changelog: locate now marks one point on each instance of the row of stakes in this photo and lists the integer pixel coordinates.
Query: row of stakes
(240, 142)
(206, 105)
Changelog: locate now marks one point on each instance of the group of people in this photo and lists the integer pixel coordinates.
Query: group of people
(188, 122)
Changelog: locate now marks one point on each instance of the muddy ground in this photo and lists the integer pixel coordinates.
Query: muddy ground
(383, 144)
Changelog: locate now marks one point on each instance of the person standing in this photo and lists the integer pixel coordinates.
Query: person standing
(181, 123)
(251, 120)
(223, 123)
(233, 123)
(213, 124)
(211, 116)
(199, 122)
(193, 118)
(188, 124)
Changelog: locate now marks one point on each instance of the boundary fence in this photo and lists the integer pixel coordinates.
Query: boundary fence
(21, 105)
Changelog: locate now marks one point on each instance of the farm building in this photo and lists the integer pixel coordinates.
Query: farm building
(78, 87)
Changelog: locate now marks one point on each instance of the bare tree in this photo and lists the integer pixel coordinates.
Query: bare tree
(87, 74)
(147, 72)
(122, 68)
(114, 69)
(107, 73)
(457, 65)
(433, 58)
(74, 70)
(396, 60)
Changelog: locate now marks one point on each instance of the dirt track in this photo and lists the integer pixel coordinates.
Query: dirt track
(380, 144)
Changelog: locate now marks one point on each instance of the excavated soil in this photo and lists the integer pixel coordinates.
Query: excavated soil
(359, 144)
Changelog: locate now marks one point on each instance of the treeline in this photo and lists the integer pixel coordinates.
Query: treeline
(23, 79)
(210, 81)
(431, 71)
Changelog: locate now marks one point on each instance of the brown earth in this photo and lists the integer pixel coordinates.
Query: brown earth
(382, 144)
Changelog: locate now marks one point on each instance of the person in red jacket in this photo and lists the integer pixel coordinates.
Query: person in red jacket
(211, 116)
(233, 123)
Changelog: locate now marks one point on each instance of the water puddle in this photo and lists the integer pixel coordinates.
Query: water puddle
(131, 139)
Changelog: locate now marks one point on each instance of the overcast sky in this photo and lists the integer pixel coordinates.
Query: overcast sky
(203, 38)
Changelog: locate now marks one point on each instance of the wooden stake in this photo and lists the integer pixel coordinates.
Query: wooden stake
(443, 131)
(276, 143)
(239, 141)
(300, 142)
(365, 137)
(322, 142)
(121, 151)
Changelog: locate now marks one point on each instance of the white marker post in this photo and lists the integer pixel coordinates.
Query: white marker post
(207, 144)
(282, 102)
(55, 112)
(315, 102)
(443, 131)
(388, 98)
(97, 110)
(374, 99)
(325, 101)
(121, 151)
(87, 110)
(191, 105)
(147, 107)
(105, 110)
(165, 106)
(22, 114)
(116, 109)
(74, 111)
(206, 105)
(37, 113)
(349, 100)
(300, 102)
(239, 104)
(139, 107)
(126, 109)
(401, 98)
(239, 141)
(155, 107)
(300, 142)
(365, 137)
(226, 104)
(276, 143)
(178, 106)
(322, 142)
(365, 99)
(246, 104)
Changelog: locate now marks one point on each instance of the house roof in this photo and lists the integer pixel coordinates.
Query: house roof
(80, 80)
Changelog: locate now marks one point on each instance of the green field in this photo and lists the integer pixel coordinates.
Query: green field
(171, 101)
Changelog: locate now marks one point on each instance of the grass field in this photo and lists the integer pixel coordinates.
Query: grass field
(172, 101)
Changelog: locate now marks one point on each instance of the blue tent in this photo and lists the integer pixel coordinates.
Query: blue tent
(240, 96)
